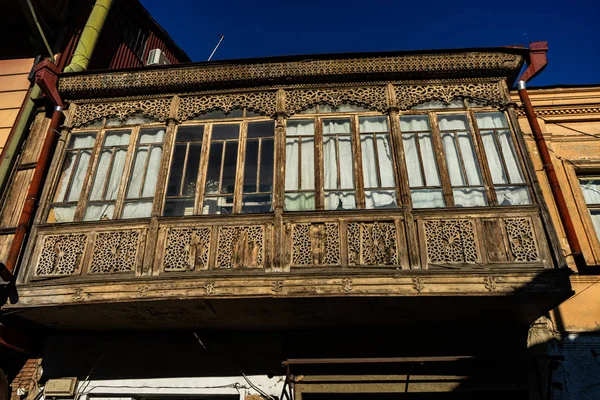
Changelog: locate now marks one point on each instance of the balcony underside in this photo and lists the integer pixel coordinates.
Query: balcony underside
(293, 300)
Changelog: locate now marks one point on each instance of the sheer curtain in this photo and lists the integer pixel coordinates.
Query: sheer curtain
(417, 141)
(342, 196)
(374, 132)
(300, 165)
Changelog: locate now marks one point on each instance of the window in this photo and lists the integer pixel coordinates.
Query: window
(590, 186)
(330, 159)
(222, 167)
(72, 177)
(502, 158)
(444, 155)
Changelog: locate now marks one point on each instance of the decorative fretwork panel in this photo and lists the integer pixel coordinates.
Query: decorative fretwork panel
(451, 241)
(156, 109)
(408, 96)
(521, 239)
(260, 102)
(316, 244)
(240, 246)
(372, 97)
(187, 249)
(372, 243)
(61, 254)
(115, 251)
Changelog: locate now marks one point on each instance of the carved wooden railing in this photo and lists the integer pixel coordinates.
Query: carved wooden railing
(448, 239)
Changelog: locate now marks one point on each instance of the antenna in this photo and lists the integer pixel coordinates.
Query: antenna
(216, 47)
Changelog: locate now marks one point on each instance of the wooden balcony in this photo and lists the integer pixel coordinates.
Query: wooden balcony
(237, 266)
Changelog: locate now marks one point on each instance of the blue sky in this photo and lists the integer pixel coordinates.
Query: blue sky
(273, 28)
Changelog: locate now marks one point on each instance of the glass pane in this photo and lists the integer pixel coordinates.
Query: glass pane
(178, 207)
(453, 122)
(82, 140)
(591, 190)
(214, 168)
(412, 123)
(299, 201)
(453, 160)
(336, 126)
(136, 119)
(229, 167)
(292, 150)
(330, 163)
(261, 129)
(513, 196)
(135, 183)
(100, 177)
(346, 163)
(218, 205)
(412, 160)
(493, 157)
(152, 172)
(256, 203)
(456, 103)
(154, 135)
(340, 201)
(432, 174)
(80, 171)
(368, 161)
(266, 166)
(510, 157)
(222, 132)
(251, 167)
(373, 124)
(469, 197)
(189, 133)
(307, 170)
(191, 170)
(300, 127)
(427, 198)
(116, 174)
(490, 120)
(96, 212)
(176, 170)
(250, 113)
(311, 110)
(138, 209)
(386, 167)
(117, 138)
(218, 114)
(380, 199)
(469, 158)
(595, 214)
(65, 176)
(61, 214)
(349, 108)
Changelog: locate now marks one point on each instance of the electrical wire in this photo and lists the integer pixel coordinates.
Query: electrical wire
(37, 24)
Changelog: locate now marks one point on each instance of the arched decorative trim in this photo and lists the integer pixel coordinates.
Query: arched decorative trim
(408, 96)
(155, 109)
(260, 102)
(372, 97)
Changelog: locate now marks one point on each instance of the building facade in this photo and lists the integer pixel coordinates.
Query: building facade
(324, 226)
(570, 120)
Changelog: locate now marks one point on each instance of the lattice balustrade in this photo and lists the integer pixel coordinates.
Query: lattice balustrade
(451, 241)
(115, 251)
(187, 249)
(61, 254)
(372, 243)
(521, 239)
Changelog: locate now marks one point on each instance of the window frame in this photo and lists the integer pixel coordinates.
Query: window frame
(355, 137)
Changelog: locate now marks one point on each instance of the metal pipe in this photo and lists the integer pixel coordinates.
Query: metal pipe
(89, 36)
(559, 198)
(35, 188)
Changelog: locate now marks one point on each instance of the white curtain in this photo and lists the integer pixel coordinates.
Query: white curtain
(591, 190)
(303, 179)
(345, 199)
(95, 212)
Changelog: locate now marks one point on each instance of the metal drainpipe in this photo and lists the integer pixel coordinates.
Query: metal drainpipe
(89, 36)
(537, 63)
(46, 78)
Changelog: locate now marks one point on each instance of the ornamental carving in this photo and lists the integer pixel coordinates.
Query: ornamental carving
(156, 109)
(115, 252)
(316, 244)
(240, 247)
(408, 96)
(372, 243)
(61, 254)
(451, 241)
(521, 239)
(372, 97)
(184, 78)
(260, 102)
(187, 249)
